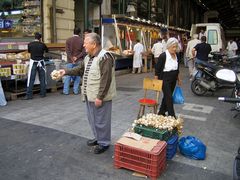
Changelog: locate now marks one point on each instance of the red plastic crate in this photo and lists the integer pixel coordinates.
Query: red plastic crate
(151, 163)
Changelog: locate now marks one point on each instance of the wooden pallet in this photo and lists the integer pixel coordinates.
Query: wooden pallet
(15, 95)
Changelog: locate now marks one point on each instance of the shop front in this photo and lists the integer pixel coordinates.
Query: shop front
(19, 20)
(119, 35)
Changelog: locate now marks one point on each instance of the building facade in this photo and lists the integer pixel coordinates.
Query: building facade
(56, 19)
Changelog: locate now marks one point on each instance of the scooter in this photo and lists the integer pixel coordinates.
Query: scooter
(236, 165)
(210, 78)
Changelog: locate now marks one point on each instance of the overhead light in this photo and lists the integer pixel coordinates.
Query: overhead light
(130, 8)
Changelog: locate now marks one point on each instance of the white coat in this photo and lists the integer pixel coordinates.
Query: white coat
(137, 57)
(232, 48)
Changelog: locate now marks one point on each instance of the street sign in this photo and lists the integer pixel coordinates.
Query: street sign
(6, 24)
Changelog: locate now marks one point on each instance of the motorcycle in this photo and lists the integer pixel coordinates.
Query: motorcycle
(236, 101)
(211, 77)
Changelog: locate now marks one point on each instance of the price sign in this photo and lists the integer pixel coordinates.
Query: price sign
(6, 24)
(9, 46)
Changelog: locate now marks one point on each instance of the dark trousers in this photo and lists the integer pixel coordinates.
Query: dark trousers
(169, 83)
(41, 74)
(100, 121)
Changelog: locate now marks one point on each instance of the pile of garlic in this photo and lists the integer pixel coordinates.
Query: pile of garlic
(55, 75)
(160, 122)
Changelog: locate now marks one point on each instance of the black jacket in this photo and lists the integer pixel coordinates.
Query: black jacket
(161, 64)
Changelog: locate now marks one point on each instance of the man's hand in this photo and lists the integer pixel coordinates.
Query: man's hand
(74, 58)
(179, 82)
(62, 72)
(98, 102)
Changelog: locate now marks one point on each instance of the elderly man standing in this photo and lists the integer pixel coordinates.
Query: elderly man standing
(190, 60)
(98, 88)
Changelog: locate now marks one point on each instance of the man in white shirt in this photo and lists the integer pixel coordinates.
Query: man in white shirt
(164, 42)
(157, 49)
(191, 44)
(232, 48)
(138, 50)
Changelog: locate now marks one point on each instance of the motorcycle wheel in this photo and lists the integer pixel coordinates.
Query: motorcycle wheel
(197, 88)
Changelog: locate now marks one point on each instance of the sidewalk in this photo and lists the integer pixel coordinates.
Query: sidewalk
(45, 138)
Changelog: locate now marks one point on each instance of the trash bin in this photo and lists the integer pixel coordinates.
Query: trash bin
(50, 66)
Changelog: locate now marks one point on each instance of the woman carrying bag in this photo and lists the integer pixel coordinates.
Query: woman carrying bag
(167, 69)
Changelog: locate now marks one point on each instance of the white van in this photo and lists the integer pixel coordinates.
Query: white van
(213, 32)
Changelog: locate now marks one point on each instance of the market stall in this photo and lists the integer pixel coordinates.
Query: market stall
(119, 34)
(14, 66)
(17, 27)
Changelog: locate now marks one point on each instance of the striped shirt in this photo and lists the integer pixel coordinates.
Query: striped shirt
(86, 75)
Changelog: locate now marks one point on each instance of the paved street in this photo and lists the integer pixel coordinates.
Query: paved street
(45, 138)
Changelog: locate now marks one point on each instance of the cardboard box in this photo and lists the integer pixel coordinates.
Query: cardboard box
(137, 141)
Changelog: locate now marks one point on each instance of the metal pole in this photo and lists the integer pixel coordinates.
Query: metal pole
(85, 14)
(149, 9)
(124, 9)
(54, 27)
(119, 6)
(42, 21)
(168, 13)
(100, 18)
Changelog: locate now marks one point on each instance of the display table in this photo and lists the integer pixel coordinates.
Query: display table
(147, 58)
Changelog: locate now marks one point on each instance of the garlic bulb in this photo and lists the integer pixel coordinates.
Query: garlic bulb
(55, 75)
(160, 122)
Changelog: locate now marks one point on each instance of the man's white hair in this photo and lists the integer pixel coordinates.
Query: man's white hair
(94, 38)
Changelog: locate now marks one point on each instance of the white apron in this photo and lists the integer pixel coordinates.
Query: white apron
(137, 57)
(30, 70)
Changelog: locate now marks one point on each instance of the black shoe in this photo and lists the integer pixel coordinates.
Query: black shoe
(26, 98)
(42, 96)
(100, 149)
(92, 142)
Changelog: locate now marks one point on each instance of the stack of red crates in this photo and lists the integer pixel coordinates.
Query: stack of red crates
(151, 163)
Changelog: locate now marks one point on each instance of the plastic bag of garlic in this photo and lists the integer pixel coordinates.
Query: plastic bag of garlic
(160, 122)
(55, 75)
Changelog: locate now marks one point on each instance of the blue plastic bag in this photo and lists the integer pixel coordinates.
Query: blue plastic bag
(192, 147)
(178, 96)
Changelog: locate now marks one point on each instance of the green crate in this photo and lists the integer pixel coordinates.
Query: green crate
(154, 133)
